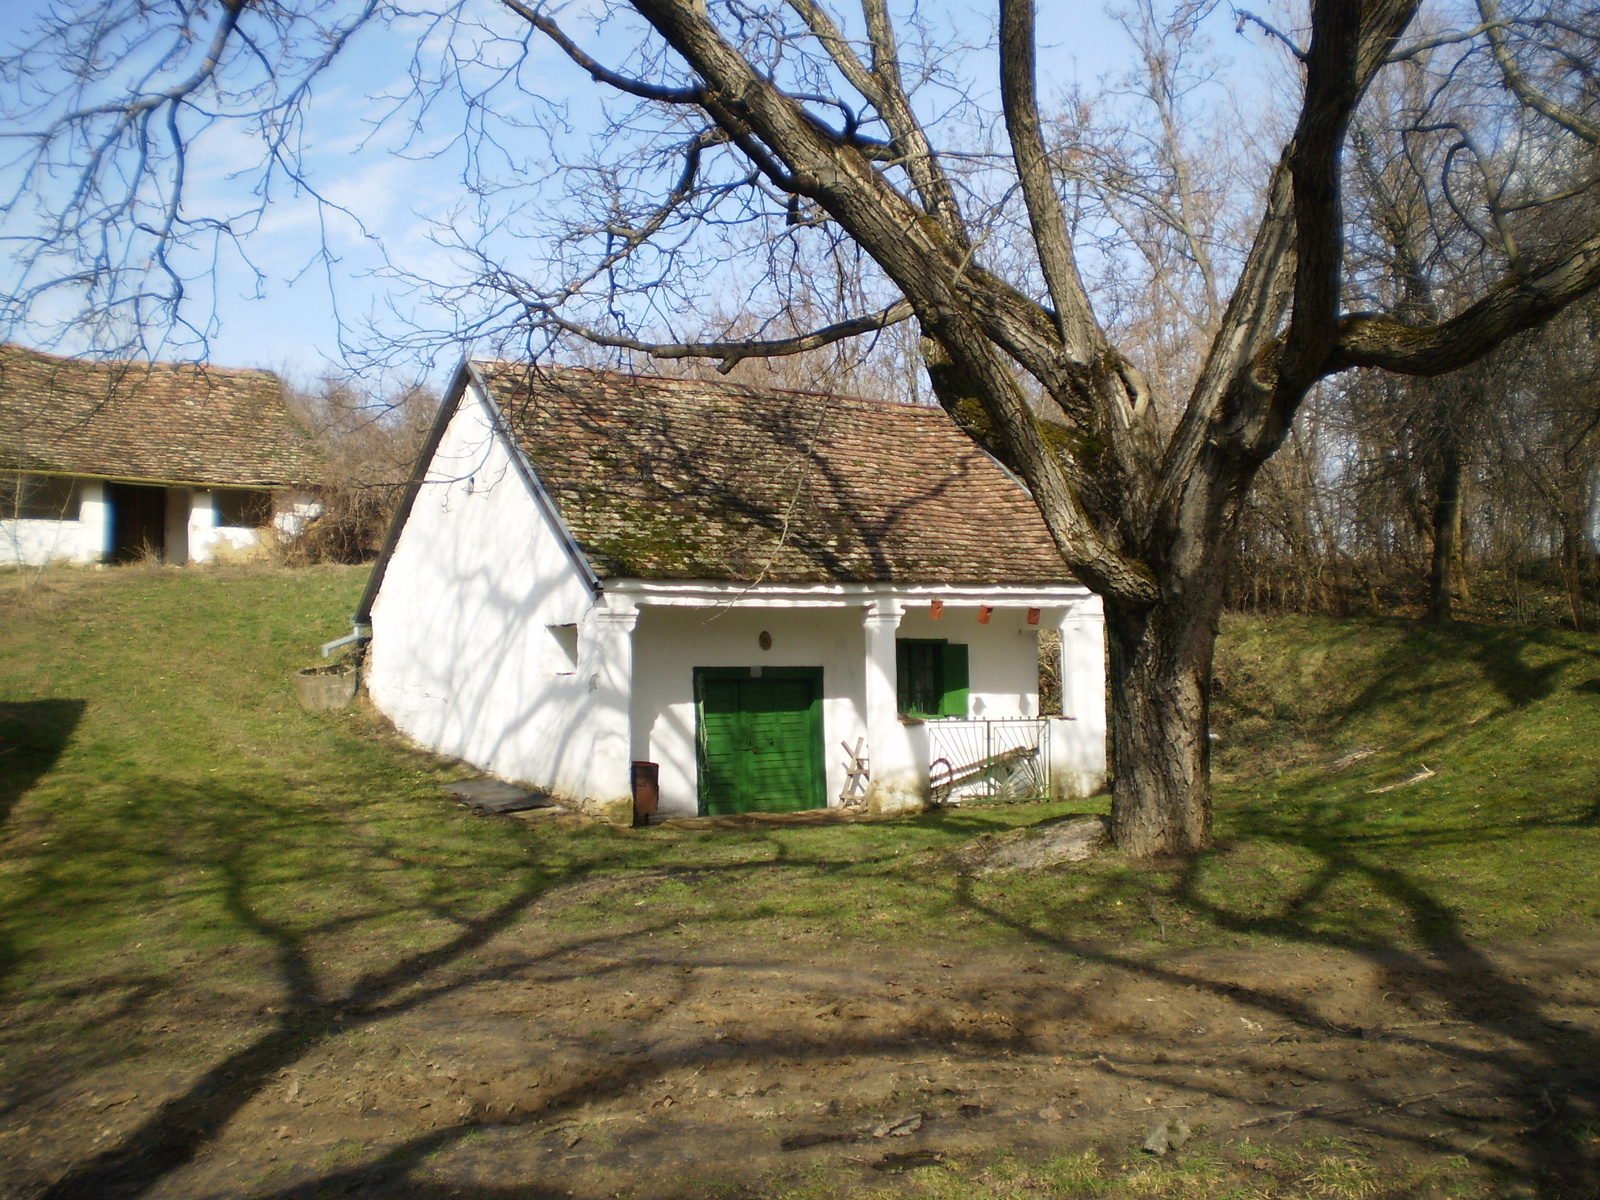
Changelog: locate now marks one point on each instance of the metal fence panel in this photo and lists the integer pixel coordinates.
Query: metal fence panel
(1006, 759)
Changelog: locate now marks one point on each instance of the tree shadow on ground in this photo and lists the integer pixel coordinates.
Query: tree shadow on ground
(255, 847)
(252, 849)
(33, 734)
(1428, 950)
(1554, 1071)
(1429, 954)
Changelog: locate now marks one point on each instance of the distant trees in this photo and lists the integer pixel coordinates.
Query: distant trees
(1483, 485)
(369, 445)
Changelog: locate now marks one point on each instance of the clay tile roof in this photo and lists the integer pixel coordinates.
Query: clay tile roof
(680, 479)
(161, 422)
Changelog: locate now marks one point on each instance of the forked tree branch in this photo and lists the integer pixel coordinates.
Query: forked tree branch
(1343, 35)
(1372, 340)
(1573, 122)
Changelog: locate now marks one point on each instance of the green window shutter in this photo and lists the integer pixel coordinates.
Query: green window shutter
(954, 702)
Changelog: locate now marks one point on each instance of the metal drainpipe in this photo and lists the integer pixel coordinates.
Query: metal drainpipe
(358, 633)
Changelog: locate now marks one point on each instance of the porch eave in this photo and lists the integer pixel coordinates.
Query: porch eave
(695, 593)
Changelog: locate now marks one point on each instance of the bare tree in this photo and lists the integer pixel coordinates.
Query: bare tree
(824, 141)
(369, 445)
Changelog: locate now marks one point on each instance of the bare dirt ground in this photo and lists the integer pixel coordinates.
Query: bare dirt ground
(664, 1062)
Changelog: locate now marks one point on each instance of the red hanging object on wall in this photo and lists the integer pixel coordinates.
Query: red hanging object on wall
(984, 613)
(1033, 616)
(936, 609)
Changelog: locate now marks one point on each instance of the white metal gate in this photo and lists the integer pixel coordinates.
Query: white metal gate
(1007, 759)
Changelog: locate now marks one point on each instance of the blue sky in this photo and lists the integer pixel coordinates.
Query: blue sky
(397, 196)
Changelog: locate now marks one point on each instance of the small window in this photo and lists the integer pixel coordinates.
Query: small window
(561, 651)
(39, 498)
(932, 677)
(243, 508)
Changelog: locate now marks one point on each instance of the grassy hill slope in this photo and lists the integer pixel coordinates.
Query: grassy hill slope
(1377, 780)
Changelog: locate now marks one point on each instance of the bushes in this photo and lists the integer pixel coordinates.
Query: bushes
(369, 445)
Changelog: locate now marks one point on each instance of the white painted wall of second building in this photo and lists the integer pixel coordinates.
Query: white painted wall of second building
(82, 539)
(192, 532)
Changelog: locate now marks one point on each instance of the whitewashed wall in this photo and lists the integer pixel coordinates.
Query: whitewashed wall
(34, 543)
(211, 542)
(1002, 656)
(669, 643)
(461, 658)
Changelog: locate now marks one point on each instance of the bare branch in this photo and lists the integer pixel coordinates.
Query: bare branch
(1573, 122)
(732, 353)
(1517, 303)
(1245, 17)
(597, 72)
(1079, 334)
(1412, 50)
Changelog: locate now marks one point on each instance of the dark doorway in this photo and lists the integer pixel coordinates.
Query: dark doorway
(138, 522)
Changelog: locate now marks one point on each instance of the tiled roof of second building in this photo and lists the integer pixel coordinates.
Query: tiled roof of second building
(161, 422)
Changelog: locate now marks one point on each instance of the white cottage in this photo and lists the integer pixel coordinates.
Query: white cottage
(109, 462)
(751, 595)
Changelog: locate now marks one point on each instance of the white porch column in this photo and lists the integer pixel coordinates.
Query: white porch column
(1078, 741)
(94, 523)
(202, 521)
(898, 782)
(610, 668)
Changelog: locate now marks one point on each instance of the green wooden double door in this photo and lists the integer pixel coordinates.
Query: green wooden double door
(759, 739)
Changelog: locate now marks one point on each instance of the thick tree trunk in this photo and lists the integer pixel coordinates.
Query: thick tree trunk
(1445, 575)
(1160, 701)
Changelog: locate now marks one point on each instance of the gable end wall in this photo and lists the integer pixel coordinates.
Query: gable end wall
(462, 660)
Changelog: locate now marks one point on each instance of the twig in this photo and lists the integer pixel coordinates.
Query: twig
(1291, 1113)
(1427, 772)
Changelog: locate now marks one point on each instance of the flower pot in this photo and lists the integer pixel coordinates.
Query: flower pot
(326, 689)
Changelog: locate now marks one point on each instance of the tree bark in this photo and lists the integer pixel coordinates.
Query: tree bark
(1160, 662)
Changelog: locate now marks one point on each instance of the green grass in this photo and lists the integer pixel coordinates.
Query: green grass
(1499, 843)
(172, 798)
(1202, 1171)
(174, 824)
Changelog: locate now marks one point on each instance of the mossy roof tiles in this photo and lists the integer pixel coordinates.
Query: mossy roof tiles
(681, 479)
(160, 422)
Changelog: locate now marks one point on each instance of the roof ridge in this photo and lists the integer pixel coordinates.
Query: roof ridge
(137, 363)
(724, 386)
